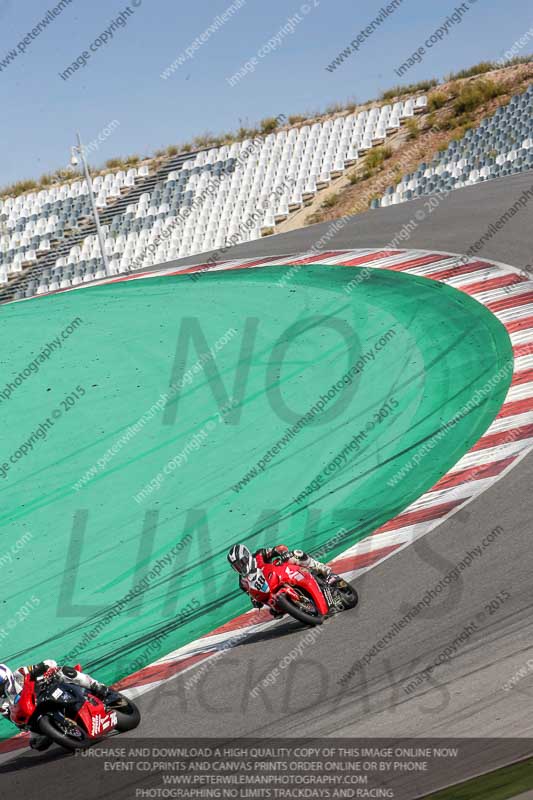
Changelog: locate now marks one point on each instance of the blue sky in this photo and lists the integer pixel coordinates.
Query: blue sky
(121, 80)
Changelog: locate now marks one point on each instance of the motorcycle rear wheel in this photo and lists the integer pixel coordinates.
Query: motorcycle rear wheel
(48, 728)
(289, 607)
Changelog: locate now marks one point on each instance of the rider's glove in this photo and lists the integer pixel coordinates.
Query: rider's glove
(50, 673)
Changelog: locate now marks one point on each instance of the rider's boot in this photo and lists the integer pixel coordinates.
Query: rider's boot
(103, 692)
(322, 569)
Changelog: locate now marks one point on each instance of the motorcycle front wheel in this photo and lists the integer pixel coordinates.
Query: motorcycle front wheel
(348, 594)
(305, 611)
(66, 734)
(128, 715)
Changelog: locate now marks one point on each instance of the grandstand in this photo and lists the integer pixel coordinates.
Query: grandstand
(501, 145)
(200, 199)
(213, 198)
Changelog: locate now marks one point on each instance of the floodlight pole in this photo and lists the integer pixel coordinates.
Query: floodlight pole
(79, 149)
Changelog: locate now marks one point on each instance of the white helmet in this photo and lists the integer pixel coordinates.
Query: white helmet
(241, 559)
(7, 681)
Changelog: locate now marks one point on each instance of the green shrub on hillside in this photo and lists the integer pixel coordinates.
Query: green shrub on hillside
(487, 66)
(331, 201)
(376, 157)
(334, 108)
(436, 100)
(474, 95)
(269, 124)
(410, 88)
(18, 188)
(203, 140)
(470, 72)
(412, 128)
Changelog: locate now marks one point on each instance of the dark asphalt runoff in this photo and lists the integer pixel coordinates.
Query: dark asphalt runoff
(321, 692)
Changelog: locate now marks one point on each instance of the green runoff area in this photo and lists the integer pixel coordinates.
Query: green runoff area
(502, 784)
(98, 582)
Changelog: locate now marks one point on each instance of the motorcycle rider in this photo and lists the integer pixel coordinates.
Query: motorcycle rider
(247, 564)
(12, 683)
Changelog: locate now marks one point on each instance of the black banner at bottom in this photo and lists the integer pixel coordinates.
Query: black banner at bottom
(125, 768)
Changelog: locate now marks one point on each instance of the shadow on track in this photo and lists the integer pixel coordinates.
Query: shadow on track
(30, 760)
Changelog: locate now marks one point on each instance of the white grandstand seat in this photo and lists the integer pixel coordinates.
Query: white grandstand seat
(29, 257)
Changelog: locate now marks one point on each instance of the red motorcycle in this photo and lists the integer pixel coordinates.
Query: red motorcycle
(69, 715)
(294, 590)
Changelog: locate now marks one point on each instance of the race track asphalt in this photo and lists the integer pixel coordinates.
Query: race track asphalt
(463, 697)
